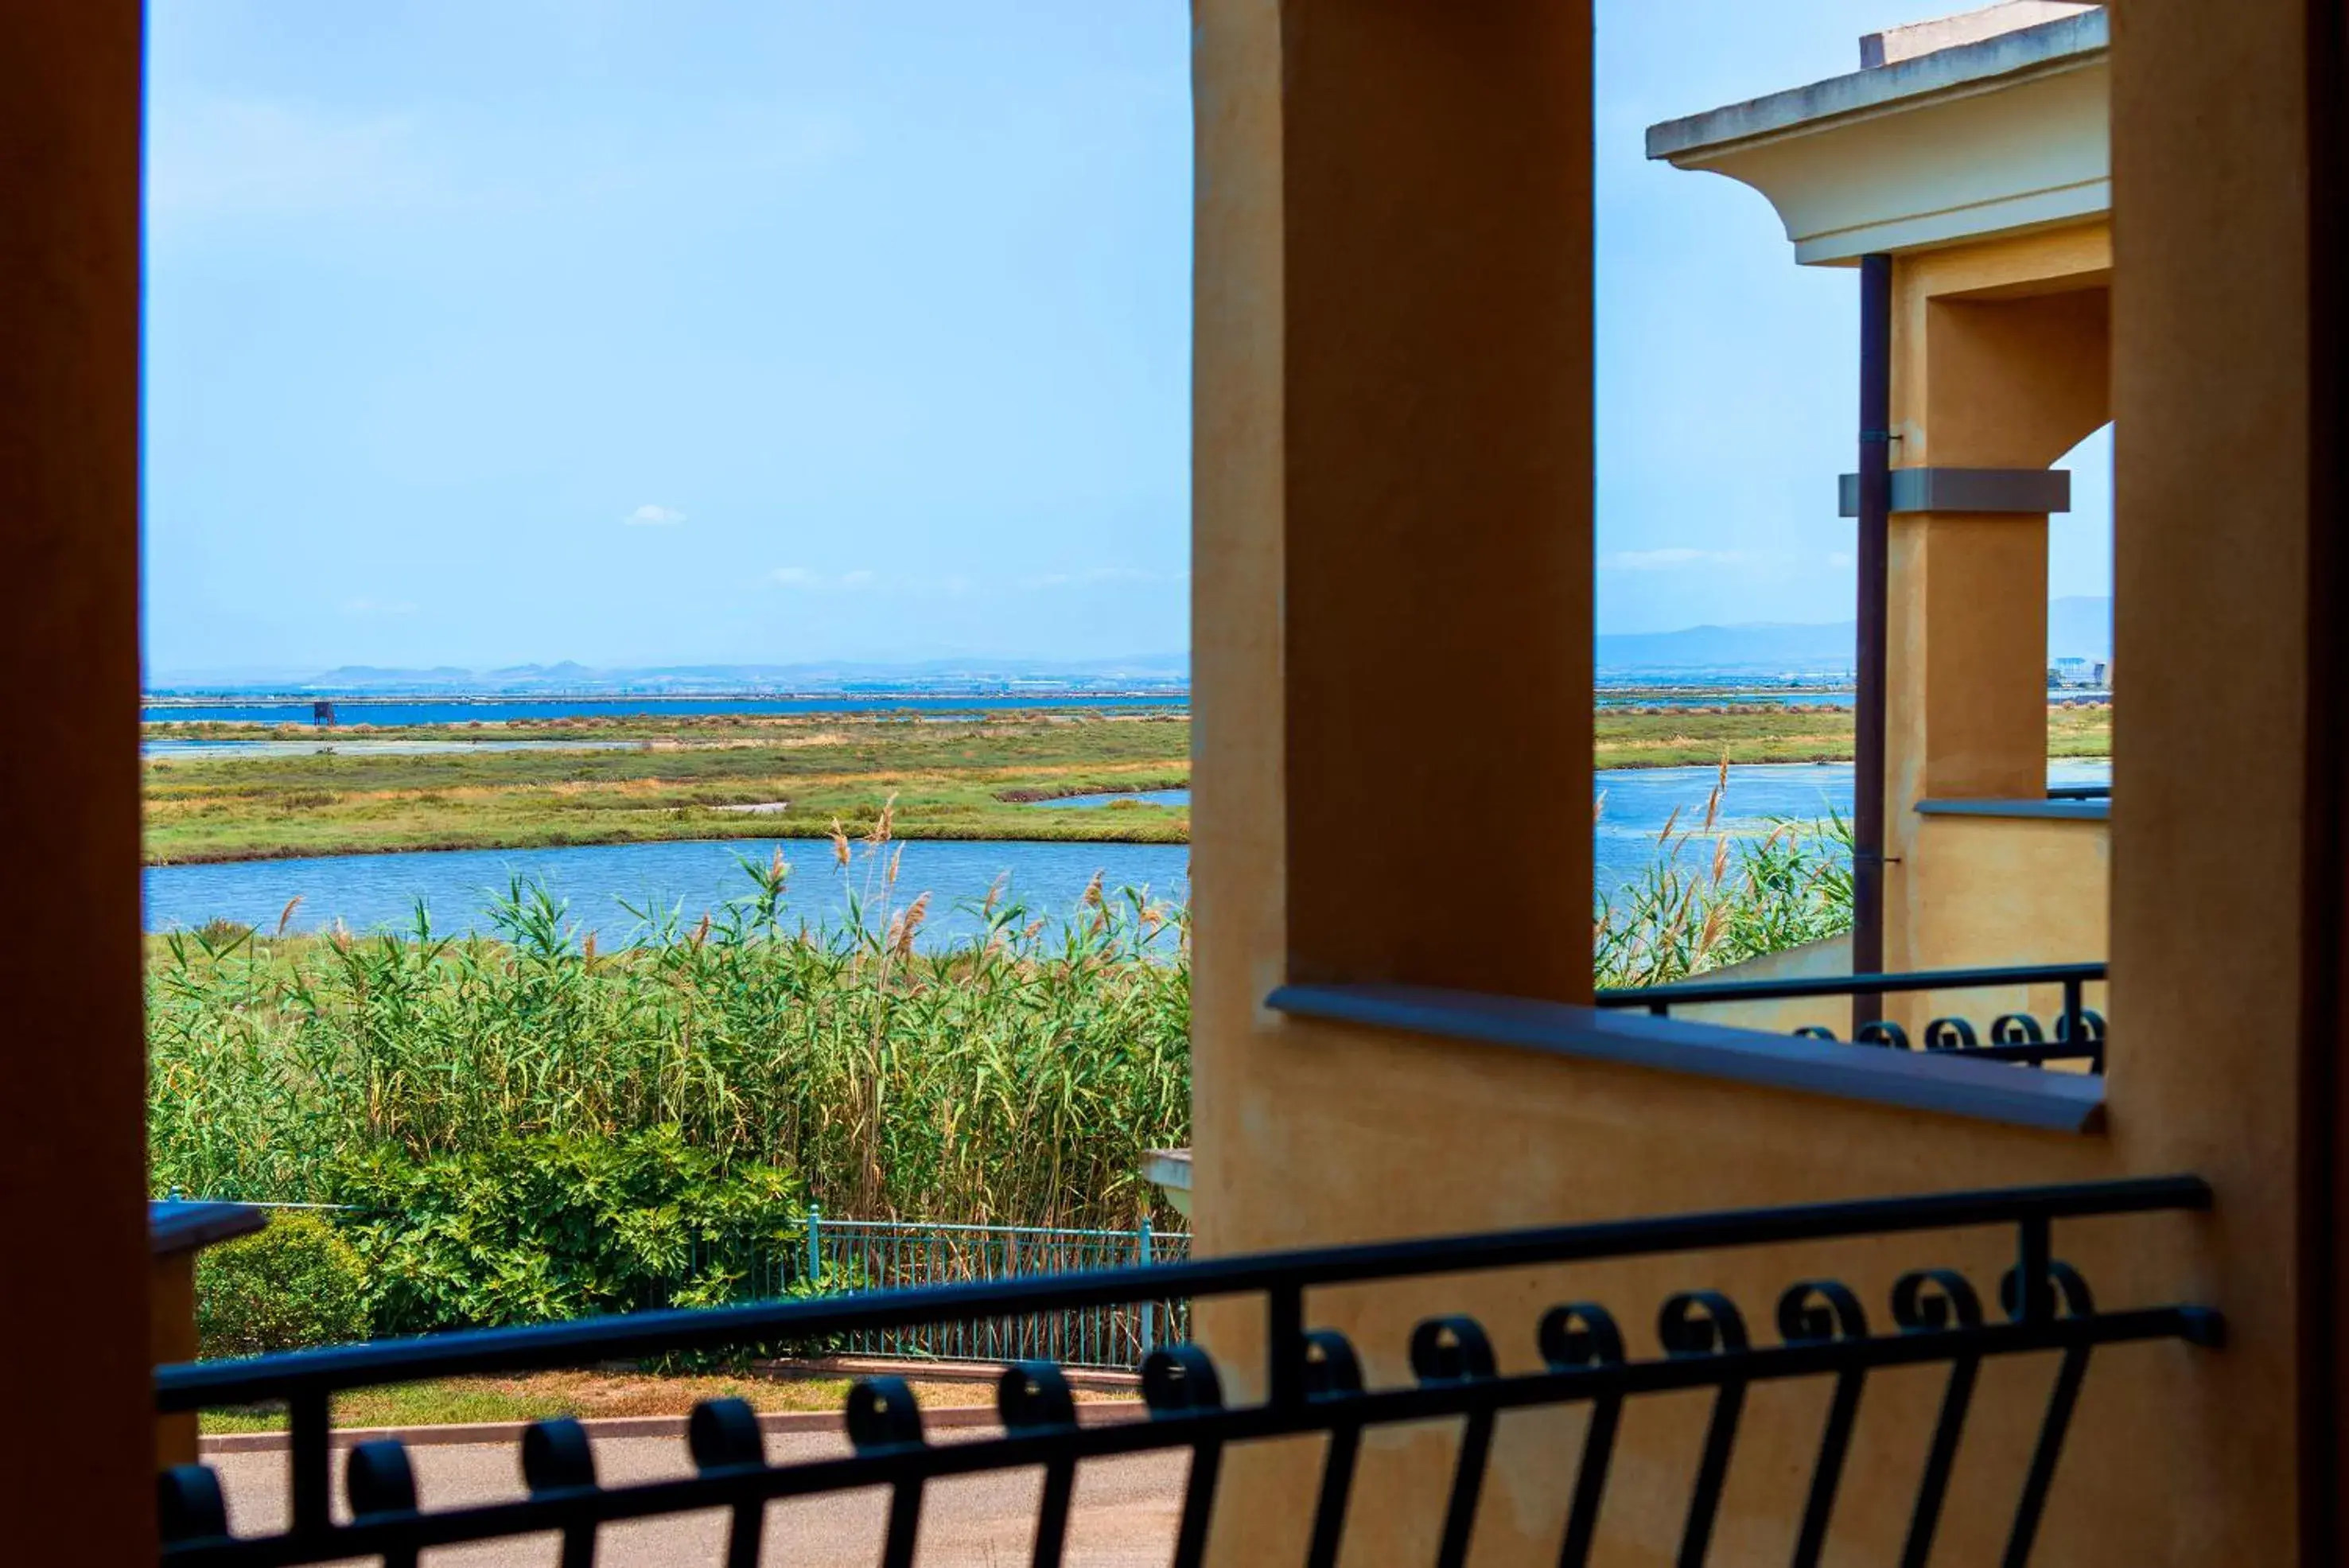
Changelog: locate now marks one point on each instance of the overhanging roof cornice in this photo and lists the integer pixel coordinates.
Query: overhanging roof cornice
(1999, 136)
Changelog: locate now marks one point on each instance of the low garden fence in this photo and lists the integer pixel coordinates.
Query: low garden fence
(886, 1254)
(843, 1255)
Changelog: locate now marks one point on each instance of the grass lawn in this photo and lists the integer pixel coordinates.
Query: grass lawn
(541, 1395)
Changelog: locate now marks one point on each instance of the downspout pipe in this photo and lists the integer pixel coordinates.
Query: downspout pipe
(1873, 553)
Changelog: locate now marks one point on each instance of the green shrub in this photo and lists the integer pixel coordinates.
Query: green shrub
(292, 1284)
(533, 1230)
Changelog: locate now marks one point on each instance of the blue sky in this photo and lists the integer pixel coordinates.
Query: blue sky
(501, 331)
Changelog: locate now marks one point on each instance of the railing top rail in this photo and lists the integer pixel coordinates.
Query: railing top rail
(196, 1385)
(2079, 792)
(1690, 992)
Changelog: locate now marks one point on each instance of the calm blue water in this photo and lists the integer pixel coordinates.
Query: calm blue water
(370, 892)
(344, 745)
(1139, 796)
(375, 891)
(1746, 699)
(495, 710)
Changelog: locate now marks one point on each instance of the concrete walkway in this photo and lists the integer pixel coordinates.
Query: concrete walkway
(1124, 1517)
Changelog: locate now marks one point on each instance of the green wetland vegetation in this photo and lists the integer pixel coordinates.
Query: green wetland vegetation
(985, 777)
(1709, 899)
(1015, 1079)
(680, 778)
(524, 1127)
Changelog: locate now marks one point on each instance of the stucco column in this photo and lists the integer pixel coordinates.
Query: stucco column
(2000, 361)
(1391, 527)
(1392, 628)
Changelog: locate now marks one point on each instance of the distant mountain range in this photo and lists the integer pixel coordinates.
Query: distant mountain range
(571, 679)
(2076, 627)
(2079, 626)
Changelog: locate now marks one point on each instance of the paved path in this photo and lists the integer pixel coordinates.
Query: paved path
(1123, 1516)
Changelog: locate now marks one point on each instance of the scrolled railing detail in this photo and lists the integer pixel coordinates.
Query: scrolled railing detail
(2078, 1034)
(1936, 1318)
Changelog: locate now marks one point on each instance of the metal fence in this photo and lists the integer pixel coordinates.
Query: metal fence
(843, 1255)
(886, 1255)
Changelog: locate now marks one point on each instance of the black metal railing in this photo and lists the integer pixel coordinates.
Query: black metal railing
(1314, 1381)
(2076, 1032)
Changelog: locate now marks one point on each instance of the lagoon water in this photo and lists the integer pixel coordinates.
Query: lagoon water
(500, 709)
(368, 892)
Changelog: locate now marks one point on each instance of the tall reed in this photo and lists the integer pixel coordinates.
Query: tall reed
(1015, 1076)
(1712, 897)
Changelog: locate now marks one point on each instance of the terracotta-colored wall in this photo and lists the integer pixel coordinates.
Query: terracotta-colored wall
(77, 1486)
(1312, 1133)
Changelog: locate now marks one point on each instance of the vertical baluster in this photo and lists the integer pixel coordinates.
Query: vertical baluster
(1573, 1338)
(1180, 1380)
(1951, 1305)
(2035, 1255)
(1033, 1398)
(188, 1506)
(1453, 1350)
(723, 1437)
(1143, 1255)
(381, 1485)
(555, 1459)
(998, 1329)
(1326, 1368)
(883, 1419)
(1706, 1323)
(1285, 1342)
(307, 1458)
(2069, 1375)
(1822, 1312)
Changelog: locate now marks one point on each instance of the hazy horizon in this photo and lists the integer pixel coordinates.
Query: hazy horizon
(2078, 625)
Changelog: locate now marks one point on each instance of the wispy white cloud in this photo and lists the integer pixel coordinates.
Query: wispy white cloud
(814, 582)
(1841, 560)
(651, 514)
(373, 610)
(1671, 558)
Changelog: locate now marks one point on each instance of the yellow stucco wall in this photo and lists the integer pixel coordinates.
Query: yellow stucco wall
(2000, 890)
(1308, 1133)
(1811, 960)
(2000, 356)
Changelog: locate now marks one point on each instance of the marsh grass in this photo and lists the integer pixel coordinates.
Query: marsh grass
(1711, 898)
(1013, 1077)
